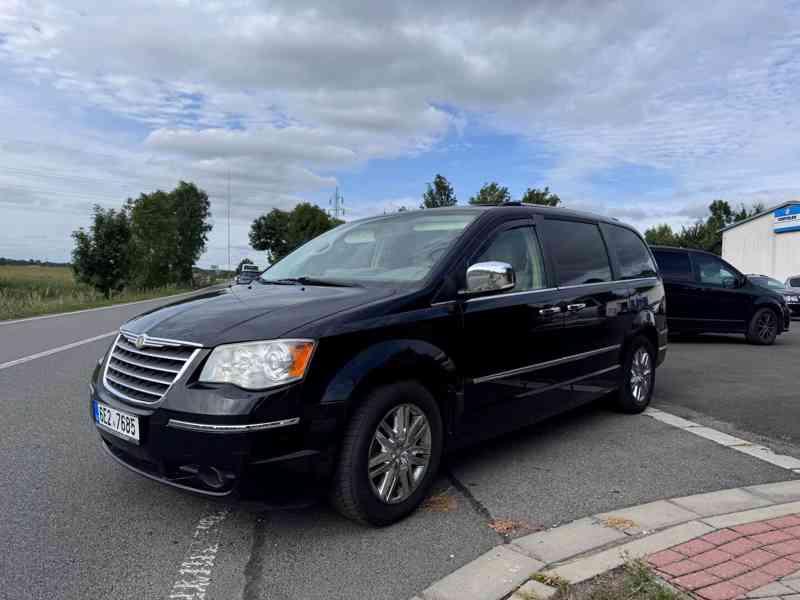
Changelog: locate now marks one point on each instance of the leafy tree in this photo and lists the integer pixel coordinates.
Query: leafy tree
(491, 193)
(279, 232)
(192, 210)
(537, 196)
(703, 234)
(270, 233)
(661, 235)
(439, 194)
(169, 233)
(243, 262)
(101, 256)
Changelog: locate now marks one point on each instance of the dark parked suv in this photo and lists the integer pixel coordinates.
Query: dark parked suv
(706, 294)
(361, 357)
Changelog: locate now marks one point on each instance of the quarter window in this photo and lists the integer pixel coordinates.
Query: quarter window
(579, 252)
(674, 265)
(519, 248)
(632, 255)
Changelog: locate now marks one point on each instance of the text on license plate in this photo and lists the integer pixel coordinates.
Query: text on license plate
(117, 422)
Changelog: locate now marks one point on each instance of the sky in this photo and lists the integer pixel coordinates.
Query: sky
(645, 111)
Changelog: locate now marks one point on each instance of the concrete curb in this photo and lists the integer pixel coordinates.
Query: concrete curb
(588, 547)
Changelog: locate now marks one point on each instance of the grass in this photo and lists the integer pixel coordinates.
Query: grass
(31, 290)
(634, 581)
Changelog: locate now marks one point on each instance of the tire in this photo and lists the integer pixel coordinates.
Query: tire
(763, 327)
(639, 362)
(362, 498)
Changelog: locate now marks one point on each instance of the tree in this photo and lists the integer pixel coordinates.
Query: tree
(439, 194)
(192, 211)
(270, 233)
(544, 197)
(491, 193)
(279, 232)
(661, 235)
(244, 261)
(169, 233)
(101, 256)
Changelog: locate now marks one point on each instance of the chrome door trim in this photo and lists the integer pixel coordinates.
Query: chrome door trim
(510, 294)
(546, 364)
(243, 428)
(612, 282)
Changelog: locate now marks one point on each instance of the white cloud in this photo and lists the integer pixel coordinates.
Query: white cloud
(283, 95)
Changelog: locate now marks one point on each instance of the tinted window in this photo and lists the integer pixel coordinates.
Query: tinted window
(519, 248)
(712, 271)
(794, 282)
(632, 256)
(579, 252)
(674, 265)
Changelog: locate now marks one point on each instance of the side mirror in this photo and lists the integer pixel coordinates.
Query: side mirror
(491, 276)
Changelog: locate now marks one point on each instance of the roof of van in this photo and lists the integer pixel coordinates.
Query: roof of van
(511, 207)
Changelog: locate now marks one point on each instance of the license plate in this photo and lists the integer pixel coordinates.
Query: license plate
(117, 422)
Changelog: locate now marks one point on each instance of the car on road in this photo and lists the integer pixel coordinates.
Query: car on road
(246, 277)
(369, 351)
(792, 294)
(705, 294)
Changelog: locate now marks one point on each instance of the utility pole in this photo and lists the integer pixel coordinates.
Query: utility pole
(229, 219)
(337, 204)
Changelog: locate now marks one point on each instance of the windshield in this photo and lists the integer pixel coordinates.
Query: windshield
(768, 282)
(397, 248)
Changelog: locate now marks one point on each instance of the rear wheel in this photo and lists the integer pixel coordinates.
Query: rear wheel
(390, 454)
(638, 377)
(763, 328)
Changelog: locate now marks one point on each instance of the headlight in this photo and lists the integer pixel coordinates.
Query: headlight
(258, 365)
(793, 299)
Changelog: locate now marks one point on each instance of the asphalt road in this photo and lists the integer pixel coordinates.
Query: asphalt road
(75, 525)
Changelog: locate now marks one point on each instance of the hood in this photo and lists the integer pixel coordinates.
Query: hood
(791, 291)
(257, 312)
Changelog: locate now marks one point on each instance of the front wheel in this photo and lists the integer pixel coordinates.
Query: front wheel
(763, 328)
(390, 454)
(638, 377)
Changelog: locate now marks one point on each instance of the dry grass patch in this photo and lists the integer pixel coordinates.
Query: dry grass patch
(634, 581)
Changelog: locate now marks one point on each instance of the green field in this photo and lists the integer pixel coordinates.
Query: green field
(30, 290)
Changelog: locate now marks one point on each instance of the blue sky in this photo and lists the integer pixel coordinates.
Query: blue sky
(644, 111)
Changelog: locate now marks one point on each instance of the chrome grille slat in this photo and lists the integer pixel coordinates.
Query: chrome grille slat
(132, 386)
(161, 353)
(128, 360)
(144, 375)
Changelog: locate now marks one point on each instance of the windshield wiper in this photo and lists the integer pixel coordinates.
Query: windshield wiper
(304, 280)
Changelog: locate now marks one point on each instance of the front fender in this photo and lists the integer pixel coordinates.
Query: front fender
(392, 359)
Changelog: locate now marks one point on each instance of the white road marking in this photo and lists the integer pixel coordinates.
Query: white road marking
(723, 439)
(31, 357)
(86, 310)
(194, 573)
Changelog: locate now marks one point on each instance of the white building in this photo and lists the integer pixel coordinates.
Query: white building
(767, 243)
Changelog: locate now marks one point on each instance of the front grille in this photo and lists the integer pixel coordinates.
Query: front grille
(144, 375)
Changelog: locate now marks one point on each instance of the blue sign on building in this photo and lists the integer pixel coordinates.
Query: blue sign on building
(787, 219)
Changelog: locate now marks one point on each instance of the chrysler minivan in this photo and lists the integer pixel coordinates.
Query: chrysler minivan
(360, 358)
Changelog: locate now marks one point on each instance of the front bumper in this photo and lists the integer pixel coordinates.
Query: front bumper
(794, 309)
(213, 456)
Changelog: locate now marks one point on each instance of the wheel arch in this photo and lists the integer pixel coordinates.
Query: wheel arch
(398, 360)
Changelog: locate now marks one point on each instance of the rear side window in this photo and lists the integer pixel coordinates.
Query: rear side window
(578, 251)
(632, 255)
(674, 265)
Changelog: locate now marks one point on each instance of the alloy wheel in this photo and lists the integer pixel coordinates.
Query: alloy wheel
(399, 453)
(766, 325)
(641, 375)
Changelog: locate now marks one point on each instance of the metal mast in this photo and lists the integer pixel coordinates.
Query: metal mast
(337, 204)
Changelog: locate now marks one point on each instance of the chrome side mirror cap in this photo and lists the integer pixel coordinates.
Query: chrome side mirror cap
(491, 276)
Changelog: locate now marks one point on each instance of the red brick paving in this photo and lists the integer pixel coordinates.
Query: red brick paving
(729, 563)
(723, 536)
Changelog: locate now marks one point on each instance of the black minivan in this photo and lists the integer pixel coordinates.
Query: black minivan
(361, 357)
(705, 294)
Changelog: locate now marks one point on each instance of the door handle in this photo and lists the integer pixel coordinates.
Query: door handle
(576, 307)
(554, 310)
